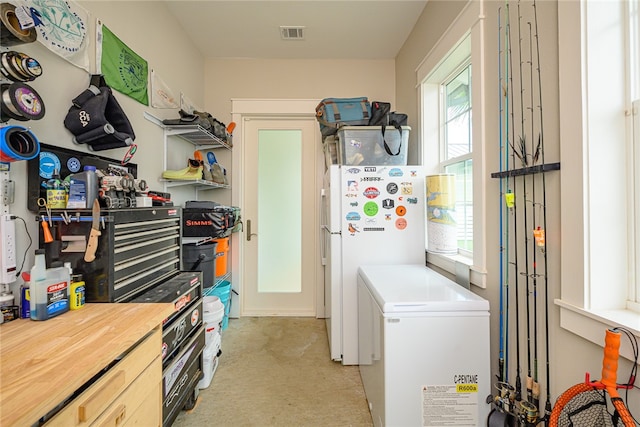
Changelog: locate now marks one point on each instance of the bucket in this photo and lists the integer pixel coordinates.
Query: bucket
(223, 291)
(213, 313)
(209, 364)
(200, 258)
(441, 207)
(221, 256)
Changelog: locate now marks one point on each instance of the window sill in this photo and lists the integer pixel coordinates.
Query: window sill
(461, 267)
(591, 324)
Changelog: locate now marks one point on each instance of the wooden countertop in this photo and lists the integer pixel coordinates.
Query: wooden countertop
(44, 362)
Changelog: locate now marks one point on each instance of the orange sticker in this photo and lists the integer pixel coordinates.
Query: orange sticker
(401, 210)
(401, 223)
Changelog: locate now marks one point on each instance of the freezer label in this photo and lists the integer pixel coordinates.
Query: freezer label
(444, 405)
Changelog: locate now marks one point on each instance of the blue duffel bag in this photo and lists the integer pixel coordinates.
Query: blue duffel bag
(333, 113)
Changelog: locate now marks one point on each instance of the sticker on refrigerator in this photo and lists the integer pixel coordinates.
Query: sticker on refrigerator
(392, 188)
(371, 193)
(401, 223)
(452, 404)
(406, 188)
(353, 229)
(371, 179)
(370, 208)
(388, 204)
(353, 170)
(353, 216)
(395, 172)
(352, 185)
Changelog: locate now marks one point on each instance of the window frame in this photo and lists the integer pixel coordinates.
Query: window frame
(590, 256)
(469, 26)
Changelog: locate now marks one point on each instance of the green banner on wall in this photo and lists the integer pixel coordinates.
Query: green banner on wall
(123, 69)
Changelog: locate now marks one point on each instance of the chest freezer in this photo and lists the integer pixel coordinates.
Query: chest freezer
(423, 345)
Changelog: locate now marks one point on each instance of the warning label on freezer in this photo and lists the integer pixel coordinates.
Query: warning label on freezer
(449, 405)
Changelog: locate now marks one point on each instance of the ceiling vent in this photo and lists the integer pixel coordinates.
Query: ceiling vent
(292, 33)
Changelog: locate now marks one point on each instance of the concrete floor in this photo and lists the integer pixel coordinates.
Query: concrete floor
(276, 371)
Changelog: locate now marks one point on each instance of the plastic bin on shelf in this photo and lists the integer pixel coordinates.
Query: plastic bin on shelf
(221, 256)
(364, 145)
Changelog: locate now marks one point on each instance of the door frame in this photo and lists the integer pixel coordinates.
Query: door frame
(282, 109)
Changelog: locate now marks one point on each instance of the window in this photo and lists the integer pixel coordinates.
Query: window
(450, 84)
(599, 80)
(457, 151)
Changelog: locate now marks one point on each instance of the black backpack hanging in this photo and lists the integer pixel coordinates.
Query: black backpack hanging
(97, 119)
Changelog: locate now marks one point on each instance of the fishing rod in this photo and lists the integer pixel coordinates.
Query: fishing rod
(547, 406)
(534, 278)
(524, 159)
(513, 201)
(501, 243)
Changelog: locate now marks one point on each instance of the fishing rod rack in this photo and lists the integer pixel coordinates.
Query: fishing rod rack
(523, 223)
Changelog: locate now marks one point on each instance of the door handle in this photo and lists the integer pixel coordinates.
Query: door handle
(249, 233)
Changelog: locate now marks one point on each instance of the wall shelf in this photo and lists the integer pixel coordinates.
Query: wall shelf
(200, 184)
(201, 138)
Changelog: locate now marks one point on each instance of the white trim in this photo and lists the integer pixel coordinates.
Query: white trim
(242, 108)
(591, 324)
(470, 24)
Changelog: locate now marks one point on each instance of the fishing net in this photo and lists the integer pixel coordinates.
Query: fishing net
(587, 408)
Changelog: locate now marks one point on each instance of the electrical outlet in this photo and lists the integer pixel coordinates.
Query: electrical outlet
(7, 249)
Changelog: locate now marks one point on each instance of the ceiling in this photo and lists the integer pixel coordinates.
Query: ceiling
(334, 29)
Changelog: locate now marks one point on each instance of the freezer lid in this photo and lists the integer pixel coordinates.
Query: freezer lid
(416, 288)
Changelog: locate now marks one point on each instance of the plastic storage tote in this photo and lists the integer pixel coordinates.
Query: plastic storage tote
(364, 145)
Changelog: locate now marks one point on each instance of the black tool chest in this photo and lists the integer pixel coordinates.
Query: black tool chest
(138, 260)
(138, 248)
(182, 341)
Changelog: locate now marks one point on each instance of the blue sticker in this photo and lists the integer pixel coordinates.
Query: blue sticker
(48, 163)
(73, 164)
(395, 172)
(353, 216)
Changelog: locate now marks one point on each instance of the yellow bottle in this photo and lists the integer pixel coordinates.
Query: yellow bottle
(76, 292)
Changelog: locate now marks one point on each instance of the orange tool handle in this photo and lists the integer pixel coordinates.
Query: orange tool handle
(48, 238)
(610, 361)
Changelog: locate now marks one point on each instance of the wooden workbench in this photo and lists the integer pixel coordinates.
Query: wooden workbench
(42, 363)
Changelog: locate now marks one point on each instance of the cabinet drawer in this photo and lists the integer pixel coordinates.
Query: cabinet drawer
(150, 411)
(92, 402)
(142, 394)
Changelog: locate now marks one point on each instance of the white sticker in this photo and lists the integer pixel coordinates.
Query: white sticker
(24, 18)
(450, 405)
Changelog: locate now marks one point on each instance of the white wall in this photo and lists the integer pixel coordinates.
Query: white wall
(153, 34)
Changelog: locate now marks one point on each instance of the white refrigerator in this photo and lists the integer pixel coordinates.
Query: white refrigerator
(370, 215)
(423, 348)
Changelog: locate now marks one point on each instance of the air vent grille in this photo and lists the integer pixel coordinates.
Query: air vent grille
(292, 33)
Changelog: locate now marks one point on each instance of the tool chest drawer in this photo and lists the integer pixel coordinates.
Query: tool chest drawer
(120, 390)
(137, 249)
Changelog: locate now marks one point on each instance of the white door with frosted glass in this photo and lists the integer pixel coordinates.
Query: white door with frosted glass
(279, 216)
